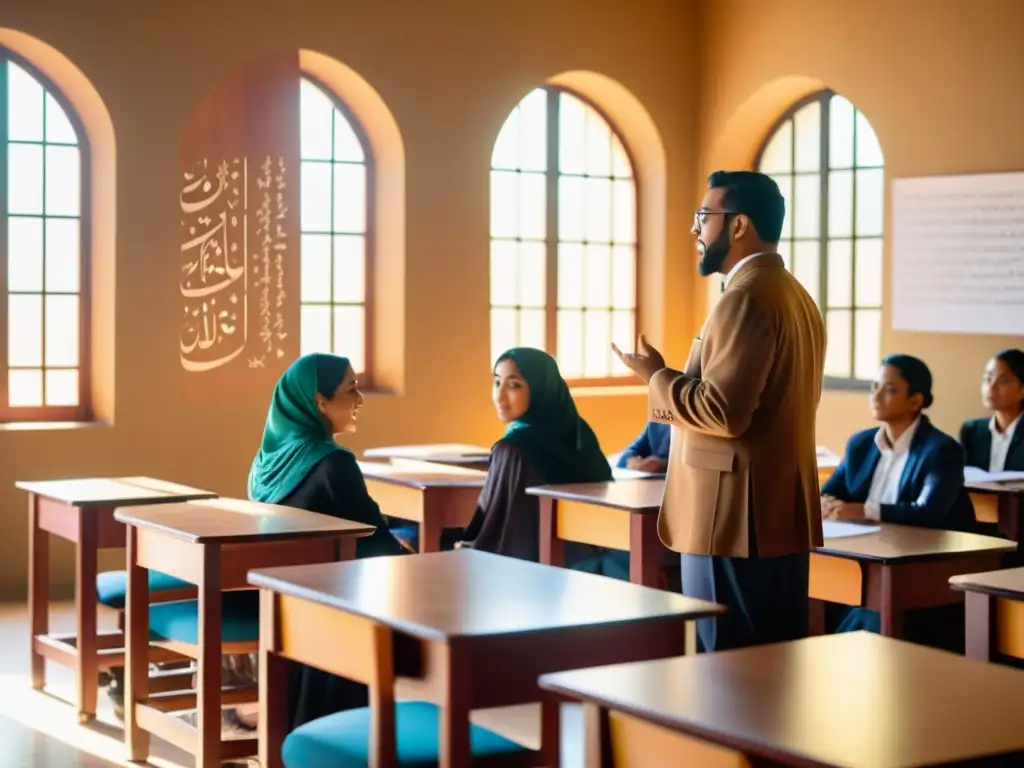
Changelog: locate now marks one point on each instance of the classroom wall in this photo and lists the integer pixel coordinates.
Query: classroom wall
(449, 71)
(939, 81)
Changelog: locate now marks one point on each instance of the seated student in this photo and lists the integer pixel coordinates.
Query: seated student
(649, 452)
(906, 471)
(300, 465)
(546, 441)
(996, 443)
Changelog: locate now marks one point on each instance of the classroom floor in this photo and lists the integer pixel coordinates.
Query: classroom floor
(38, 729)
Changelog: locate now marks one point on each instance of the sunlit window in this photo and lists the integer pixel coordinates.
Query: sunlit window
(828, 162)
(335, 238)
(563, 235)
(41, 248)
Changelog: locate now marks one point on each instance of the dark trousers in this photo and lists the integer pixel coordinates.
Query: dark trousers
(765, 598)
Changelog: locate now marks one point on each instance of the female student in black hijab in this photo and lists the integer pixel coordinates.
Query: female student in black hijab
(996, 443)
(545, 442)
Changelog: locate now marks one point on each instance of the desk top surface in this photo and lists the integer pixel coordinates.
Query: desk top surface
(108, 491)
(855, 699)
(905, 543)
(1005, 583)
(421, 475)
(631, 495)
(465, 593)
(234, 521)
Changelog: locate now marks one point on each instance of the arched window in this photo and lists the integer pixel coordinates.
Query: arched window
(563, 236)
(44, 215)
(828, 162)
(336, 245)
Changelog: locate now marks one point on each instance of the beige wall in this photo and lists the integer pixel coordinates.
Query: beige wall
(449, 71)
(937, 78)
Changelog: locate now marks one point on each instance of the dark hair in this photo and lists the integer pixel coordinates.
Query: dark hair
(756, 196)
(1014, 360)
(916, 373)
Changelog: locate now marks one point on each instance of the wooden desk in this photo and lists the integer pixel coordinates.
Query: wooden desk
(898, 569)
(901, 705)
(471, 630)
(621, 514)
(82, 511)
(456, 454)
(436, 499)
(999, 503)
(994, 613)
(211, 544)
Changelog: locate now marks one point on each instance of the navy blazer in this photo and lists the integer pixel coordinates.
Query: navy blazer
(976, 439)
(931, 492)
(653, 441)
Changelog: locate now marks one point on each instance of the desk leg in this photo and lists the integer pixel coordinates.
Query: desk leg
(552, 548)
(38, 590)
(432, 523)
(136, 672)
(455, 707)
(978, 615)
(550, 729)
(87, 668)
(273, 686)
(596, 739)
(645, 551)
(208, 674)
(891, 611)
(1009, 526)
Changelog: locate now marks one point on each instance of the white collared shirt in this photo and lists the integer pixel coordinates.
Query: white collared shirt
(736, 268)
(1000, 444)
(885, 483)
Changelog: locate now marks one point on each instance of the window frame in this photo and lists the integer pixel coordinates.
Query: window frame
(824, 99)
(82, 412)
(365, 377)
(551, 241)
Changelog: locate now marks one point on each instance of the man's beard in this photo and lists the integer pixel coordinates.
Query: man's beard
(714, 254)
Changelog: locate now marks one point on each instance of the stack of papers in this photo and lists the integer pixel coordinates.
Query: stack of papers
(978, 475)
(838, 529)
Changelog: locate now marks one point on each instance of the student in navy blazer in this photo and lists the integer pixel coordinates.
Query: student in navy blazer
(649, 452)
(996, 443)
(906, 471)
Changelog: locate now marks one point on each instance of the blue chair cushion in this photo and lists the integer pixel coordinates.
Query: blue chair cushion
(342, 740)
(179, 620)
(112, 586)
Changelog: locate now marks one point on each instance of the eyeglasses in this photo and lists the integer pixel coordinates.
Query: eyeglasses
(700, 218)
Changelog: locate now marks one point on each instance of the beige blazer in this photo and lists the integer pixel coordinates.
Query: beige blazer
(743, 408)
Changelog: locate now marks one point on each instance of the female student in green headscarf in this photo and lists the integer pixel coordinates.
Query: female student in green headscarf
(300, 465)
(545, 441)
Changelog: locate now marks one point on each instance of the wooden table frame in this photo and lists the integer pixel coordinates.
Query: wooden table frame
(993, 613)
(458, 674)
(82, 512)
(893, 585)
(574, 512)
(214, 565)
(999, 503)
(722, 710)
(444, 498)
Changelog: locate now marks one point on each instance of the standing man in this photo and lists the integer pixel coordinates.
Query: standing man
(741, 498)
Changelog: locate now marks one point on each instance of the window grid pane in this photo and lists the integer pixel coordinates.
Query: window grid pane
(42, 248)
(828, 164)
(592, 296)
(334, 257)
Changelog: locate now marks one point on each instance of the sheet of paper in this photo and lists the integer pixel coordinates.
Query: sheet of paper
(978, 475)
(621, 473)
(839, 529)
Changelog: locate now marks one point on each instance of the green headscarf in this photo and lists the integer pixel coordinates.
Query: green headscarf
(296, 437)
(551, 433)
